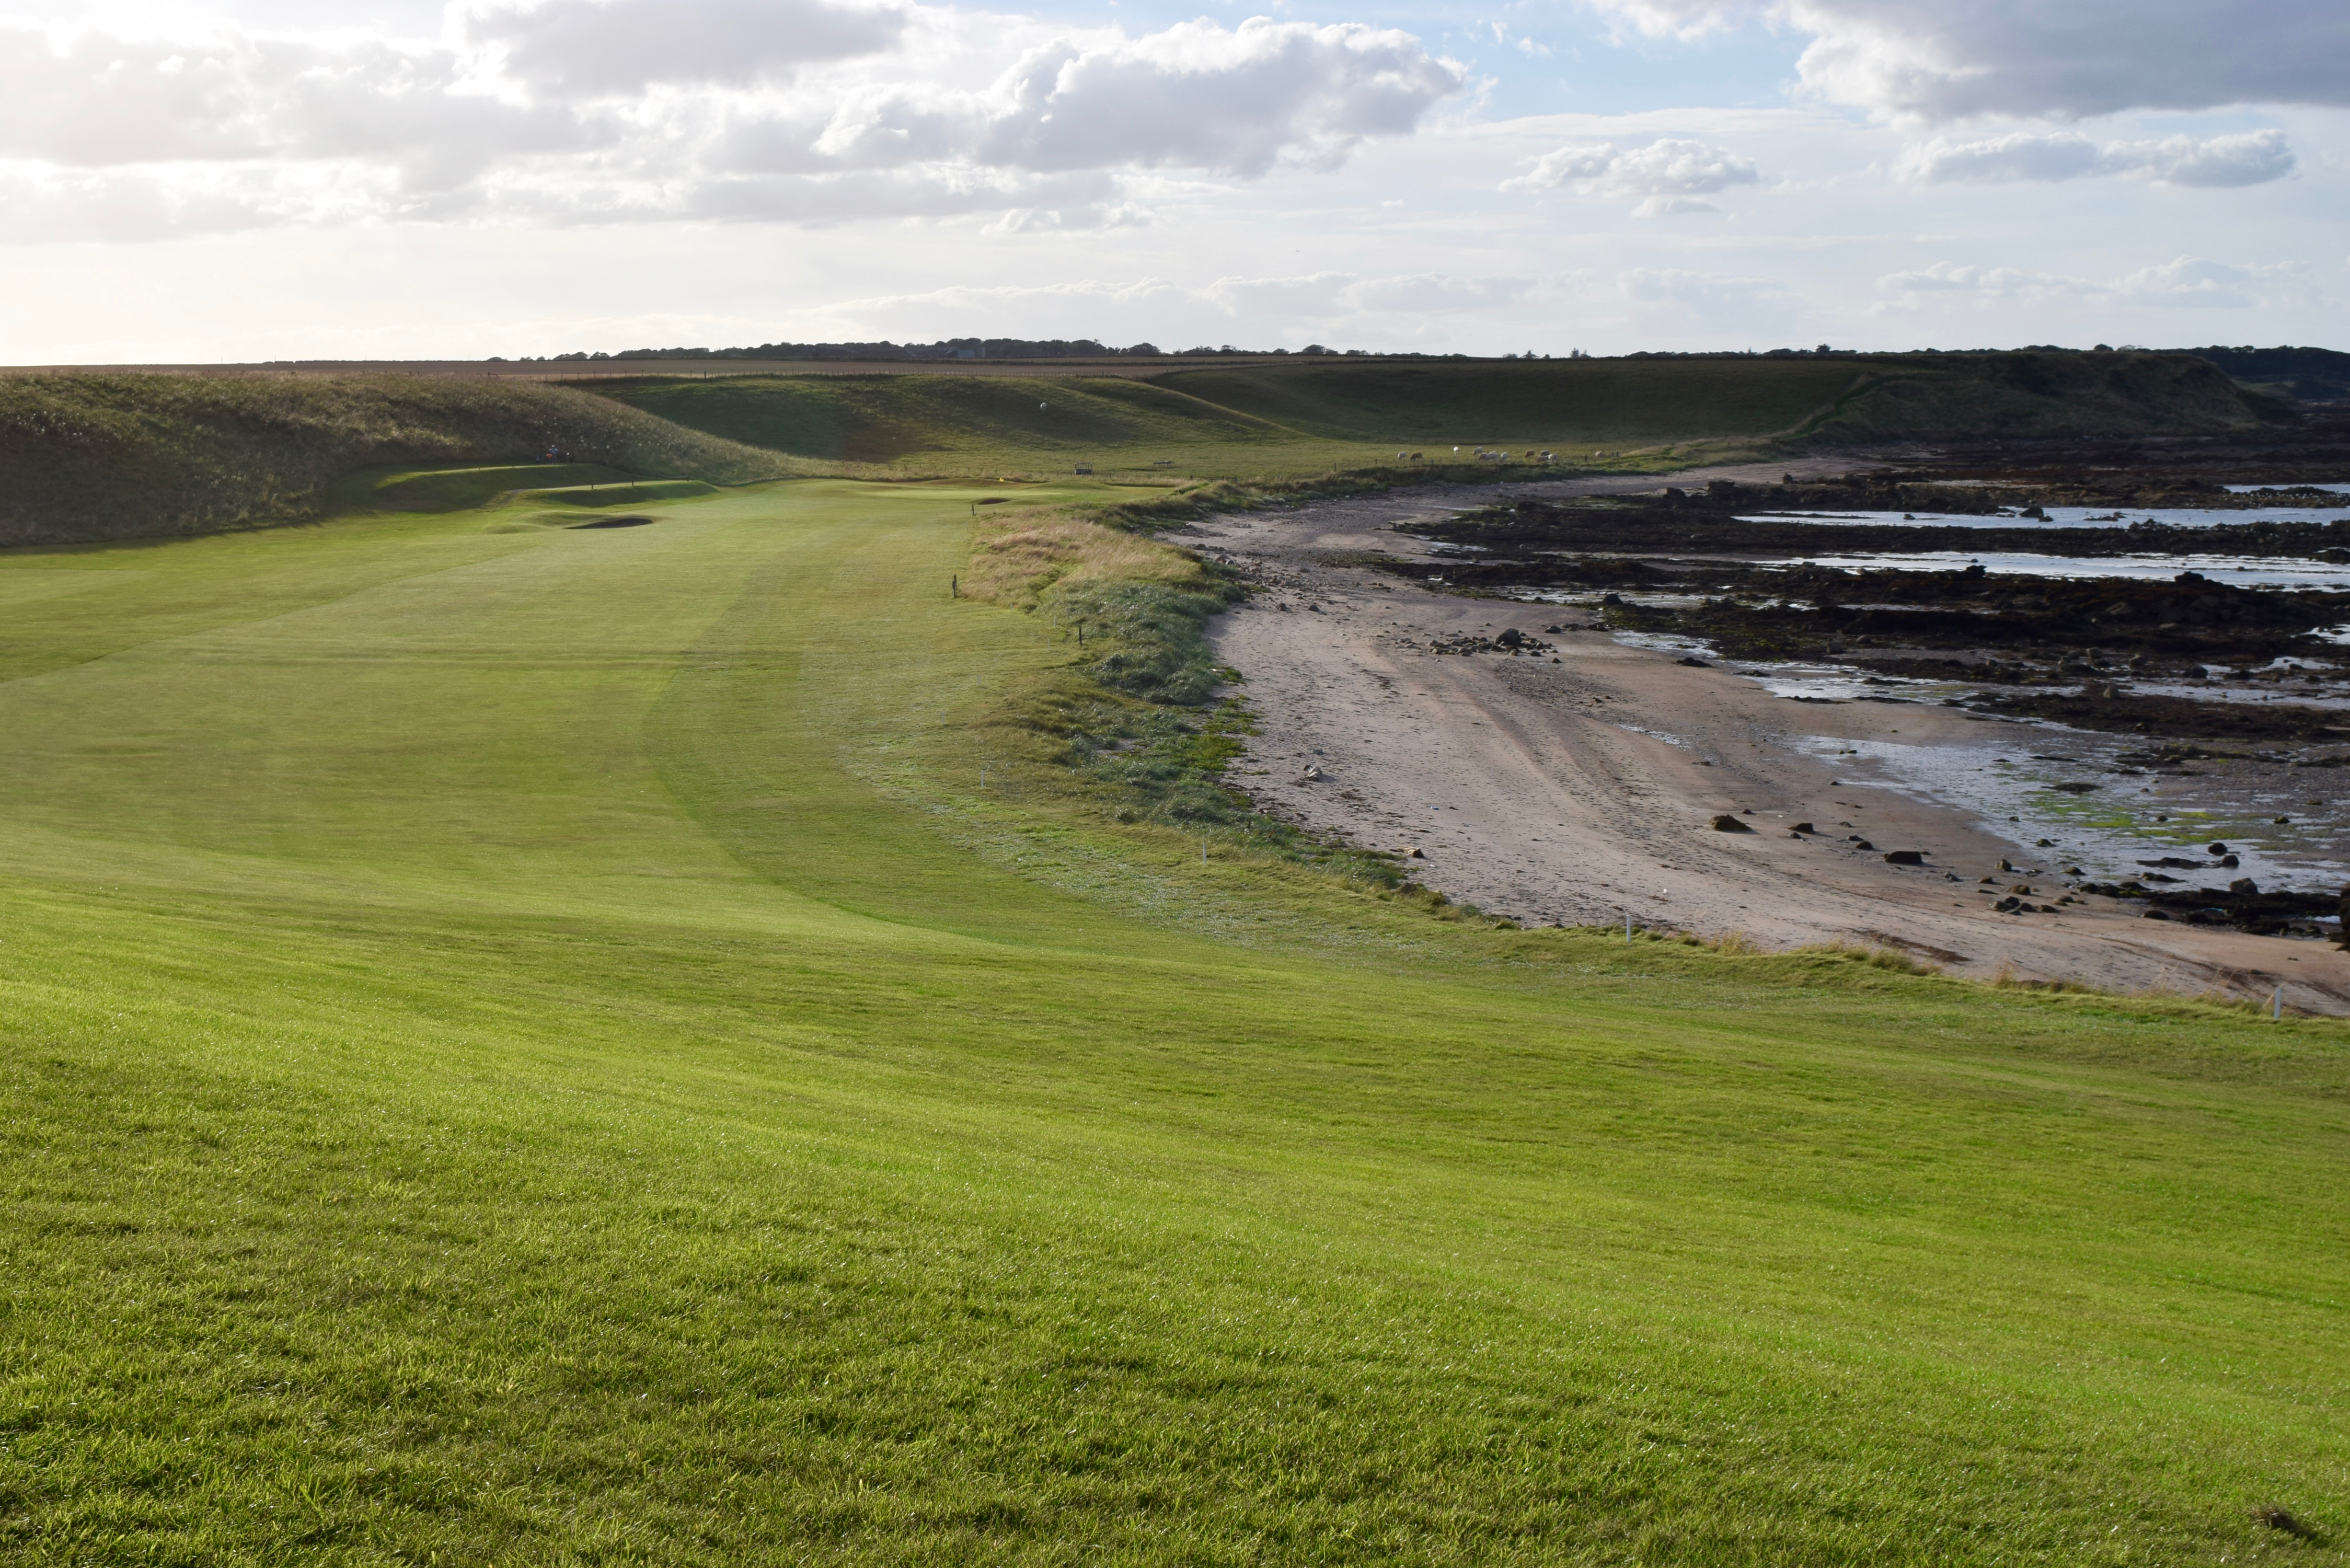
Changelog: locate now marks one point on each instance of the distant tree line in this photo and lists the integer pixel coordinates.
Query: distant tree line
(2310, 372)
(977, 348)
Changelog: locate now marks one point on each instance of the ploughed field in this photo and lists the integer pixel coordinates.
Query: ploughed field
(533, 1044)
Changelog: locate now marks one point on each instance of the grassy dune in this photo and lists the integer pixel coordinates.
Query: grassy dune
(1297, 417)
(1574, 404)
(2037, 395)
(108, 457)
(124, 456)
(527, 1045)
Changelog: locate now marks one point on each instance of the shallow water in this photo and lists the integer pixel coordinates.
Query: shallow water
(2243, 571)
(2064, 517)
(2001, 785)
(2004, 786)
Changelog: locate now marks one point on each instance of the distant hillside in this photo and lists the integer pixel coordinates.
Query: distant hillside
(883, 419)
(2032, 395)
(1567, 402)
(96, 456)
(104, 457)
(2303, 374)
(1345, 410)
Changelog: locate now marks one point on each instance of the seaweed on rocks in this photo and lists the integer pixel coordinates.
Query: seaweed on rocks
(1717, 520)
(2110, 708)
(2242, 905)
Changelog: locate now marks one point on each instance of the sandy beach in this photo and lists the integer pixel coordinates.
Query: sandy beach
(1579, 784)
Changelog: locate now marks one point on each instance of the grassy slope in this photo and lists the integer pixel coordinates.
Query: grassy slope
(95, 457)
(1572, 403)
(957, 425)
(1582, 404)
(92, 457)
(880, 419)
(1269, 420)
(533, 1046)
(1306, 416)
(2037, 395)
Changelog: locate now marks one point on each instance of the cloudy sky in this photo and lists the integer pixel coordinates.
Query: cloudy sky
(259, 178)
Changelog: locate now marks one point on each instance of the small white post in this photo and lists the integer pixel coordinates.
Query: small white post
(2276, 1003)
(1627, 928)
(1203, 852)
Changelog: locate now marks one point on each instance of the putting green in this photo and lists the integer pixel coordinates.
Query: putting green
(533, 1047)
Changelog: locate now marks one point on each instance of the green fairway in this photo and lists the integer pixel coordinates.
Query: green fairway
(534, 1045)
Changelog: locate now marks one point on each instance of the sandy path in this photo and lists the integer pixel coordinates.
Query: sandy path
(1579, 786)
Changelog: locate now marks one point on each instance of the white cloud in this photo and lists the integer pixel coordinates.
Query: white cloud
(624, 45)
(2248, 159)
(626, 111)
(1947, 59)
(1422, 293)
(1982, 283)
(1671, 302)
(2190, 282)
(1312, 298)
(1202, 97)
(2252, 159)
(1665, 176)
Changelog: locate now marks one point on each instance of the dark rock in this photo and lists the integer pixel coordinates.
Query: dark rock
(1694, 663)
(1863, 843)
(1726, 823)
(2244, 887)
(1804, 828)
(1905, 857)
(2215, 848)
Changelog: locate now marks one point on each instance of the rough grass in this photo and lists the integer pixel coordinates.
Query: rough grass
(538, 1049)
(1574, 404)
(1021, 558)
(103, 457)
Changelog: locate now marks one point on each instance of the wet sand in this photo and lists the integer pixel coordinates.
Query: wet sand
(1577, 786)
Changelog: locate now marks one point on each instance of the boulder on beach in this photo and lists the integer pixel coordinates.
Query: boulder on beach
(1905, 857)
(1726, 823)
(1803, 827)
